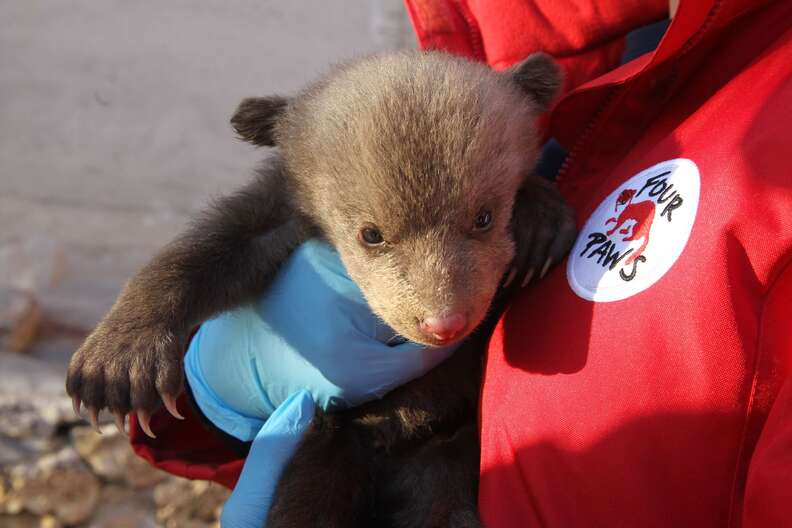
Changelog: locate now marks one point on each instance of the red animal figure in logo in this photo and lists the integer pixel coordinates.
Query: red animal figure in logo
(642, 213)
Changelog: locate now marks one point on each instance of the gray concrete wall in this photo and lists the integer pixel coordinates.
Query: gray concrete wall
(114, 123)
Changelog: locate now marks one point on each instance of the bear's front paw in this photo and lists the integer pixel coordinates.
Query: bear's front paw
(543, 227)
(125, 366)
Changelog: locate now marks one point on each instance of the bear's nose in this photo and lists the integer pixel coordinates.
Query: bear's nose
(444, 328)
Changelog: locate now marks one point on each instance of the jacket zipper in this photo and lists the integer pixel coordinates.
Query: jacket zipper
(584, 137)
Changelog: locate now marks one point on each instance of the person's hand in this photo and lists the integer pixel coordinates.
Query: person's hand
(256, 372)
(273, 446)
(311, 330)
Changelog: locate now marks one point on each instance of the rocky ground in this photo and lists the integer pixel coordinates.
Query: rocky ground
(113, 130)
(55, 471)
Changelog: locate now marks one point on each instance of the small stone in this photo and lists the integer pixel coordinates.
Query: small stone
(32, 415)
(189, 503)
(111, 457)
(20, 319)
(124, 508)
(14, 505)
(28, 266)
(58, 484)
(48, 521)
(24, 520)
(76, 494)
(187, 523)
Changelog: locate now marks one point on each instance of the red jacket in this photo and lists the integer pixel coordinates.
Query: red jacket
(646, 381)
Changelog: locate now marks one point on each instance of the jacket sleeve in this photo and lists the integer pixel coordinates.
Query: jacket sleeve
(585, 36)
(186, 448)
(768, 492)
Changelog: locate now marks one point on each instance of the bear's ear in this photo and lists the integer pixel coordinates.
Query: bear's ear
(255, 117)
(539, 77)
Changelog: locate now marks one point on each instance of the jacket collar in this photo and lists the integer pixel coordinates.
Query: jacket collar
(696, 22)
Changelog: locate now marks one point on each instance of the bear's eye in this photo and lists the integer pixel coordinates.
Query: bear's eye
(370, 236)
(483, 220)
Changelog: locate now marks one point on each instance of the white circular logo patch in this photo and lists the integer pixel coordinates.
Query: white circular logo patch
(636, 234)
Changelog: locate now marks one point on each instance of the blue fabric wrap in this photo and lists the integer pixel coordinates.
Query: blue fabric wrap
(273, 447)
(312, 330)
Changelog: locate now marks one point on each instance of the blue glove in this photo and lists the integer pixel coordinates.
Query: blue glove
(255, 372)
(311, 330)
(273, 446)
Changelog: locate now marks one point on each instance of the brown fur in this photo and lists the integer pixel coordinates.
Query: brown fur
(416, 144)
(416, 148)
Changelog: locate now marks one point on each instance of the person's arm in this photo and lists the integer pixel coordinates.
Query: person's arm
(768, 493)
